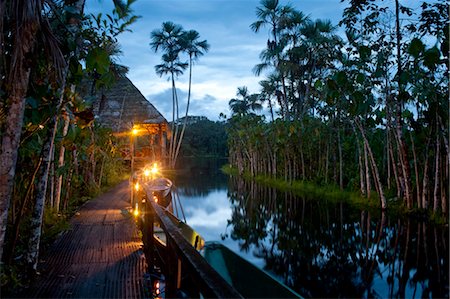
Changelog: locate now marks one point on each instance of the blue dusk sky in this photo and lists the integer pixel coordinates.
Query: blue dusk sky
(234, 48)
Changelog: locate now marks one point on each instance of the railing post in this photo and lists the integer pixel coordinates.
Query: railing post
(172, 269)
(149, 222)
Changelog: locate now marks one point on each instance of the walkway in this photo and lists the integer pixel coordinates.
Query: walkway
(100, 256)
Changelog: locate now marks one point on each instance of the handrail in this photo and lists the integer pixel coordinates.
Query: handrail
(207, 280)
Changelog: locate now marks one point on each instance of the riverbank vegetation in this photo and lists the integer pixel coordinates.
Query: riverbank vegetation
(54, 156)
(204, 138)
(367, 112)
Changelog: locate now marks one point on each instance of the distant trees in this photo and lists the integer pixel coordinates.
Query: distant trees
(204, 137)
(365, 112)
(173, 41)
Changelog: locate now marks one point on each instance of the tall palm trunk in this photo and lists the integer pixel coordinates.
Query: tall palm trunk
(25, 28)
(172, 139)
(180, 139)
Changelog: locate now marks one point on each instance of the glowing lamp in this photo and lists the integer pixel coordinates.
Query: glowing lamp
(136, 211)
(154, 169)
(135, 131)
(146, 172)
(136, 187)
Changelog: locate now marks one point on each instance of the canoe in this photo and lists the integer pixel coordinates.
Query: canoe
(161, 188)
(188, 233)
(246, 278)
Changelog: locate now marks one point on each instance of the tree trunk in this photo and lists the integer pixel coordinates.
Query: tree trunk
(50, 200)
(37, 215)
(180, 140)
(92, 158)
(366, 167)
(399, 123)
(425, 182)
(18, 219)
(416, 170)
(436, 175)
(24, 34)
(341, 171)
(62, 150)
(38, 212)
(374, 167)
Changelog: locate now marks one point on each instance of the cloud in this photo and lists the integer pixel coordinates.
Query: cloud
(203, 105)
(228, 65)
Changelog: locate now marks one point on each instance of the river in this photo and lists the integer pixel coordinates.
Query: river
(318, 248)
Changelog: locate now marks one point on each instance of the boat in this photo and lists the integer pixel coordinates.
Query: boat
(246, 278)
(160, 188)
(188, 233)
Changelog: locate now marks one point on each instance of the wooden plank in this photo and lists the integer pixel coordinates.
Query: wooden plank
(100, 256)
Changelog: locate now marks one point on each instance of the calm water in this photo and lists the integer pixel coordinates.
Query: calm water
(317, 248)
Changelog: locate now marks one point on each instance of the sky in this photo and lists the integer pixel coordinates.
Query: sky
(234, 48)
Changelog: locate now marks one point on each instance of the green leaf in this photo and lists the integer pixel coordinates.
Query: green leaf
(318, 84)
(98, 59)
(360, 78)
(341, 78)
(405, 77)
(431, 58)
(364, 52)
(416, 47)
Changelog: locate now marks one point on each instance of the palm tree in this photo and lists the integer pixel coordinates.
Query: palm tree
(272, 14)
(167, 39)
(269, 89)
(314, 50)
(195, 48)
(245, 103)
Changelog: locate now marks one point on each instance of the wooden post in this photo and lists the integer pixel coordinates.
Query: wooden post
(149, 222)
(132, 170)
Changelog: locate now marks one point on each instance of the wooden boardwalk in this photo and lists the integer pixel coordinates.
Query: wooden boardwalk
(100, 256)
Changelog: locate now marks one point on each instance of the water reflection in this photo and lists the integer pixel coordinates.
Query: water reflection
(326, 250)
(319, 248)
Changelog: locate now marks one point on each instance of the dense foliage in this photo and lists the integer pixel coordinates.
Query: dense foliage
(205, 138)
(54, 156)
(367, 112)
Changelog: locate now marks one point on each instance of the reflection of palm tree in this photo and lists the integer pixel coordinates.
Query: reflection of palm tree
(195, 48)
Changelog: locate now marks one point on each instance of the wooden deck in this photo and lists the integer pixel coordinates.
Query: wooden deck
(99, 257)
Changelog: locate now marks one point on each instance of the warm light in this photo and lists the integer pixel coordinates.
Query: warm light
(136, 210)
(136, 186)
(146, 172)
(154, 168)
(157, 288)
(155, 198)
(135, 131)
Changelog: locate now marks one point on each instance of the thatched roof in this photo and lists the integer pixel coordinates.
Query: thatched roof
(123, 106)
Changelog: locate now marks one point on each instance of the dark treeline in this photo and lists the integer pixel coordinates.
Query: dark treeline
(204, 137)
(53, 155)
(368, 111)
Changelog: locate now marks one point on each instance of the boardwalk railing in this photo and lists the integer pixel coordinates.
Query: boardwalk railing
(180, 258)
